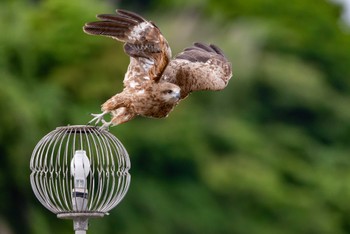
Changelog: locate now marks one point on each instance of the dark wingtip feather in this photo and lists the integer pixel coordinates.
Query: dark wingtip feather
(217, 49)
(204, 46)
(131, 15)
(103, 28)
(186, 56)
(201, 52)
(117, 18)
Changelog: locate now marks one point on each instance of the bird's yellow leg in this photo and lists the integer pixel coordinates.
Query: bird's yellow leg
(105, 125)
(98, 117)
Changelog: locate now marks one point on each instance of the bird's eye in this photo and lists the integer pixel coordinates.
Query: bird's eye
(168, 91)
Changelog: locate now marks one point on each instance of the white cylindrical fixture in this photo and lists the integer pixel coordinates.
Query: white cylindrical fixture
(80, 168)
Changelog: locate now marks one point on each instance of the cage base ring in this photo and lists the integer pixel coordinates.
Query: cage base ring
(81, 215)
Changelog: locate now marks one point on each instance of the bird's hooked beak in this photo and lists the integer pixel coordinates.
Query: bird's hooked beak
(178, 95)
(175, 96)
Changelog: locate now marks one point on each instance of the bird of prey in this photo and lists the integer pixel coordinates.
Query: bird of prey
(155, 82)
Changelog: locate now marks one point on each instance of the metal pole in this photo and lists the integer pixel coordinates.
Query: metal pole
(80, 232)
(80, 225)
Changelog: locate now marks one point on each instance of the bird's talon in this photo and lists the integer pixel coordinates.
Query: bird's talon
(97, 118)
(105, 125)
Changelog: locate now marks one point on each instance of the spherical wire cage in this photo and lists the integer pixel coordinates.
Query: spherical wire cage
(79, 172)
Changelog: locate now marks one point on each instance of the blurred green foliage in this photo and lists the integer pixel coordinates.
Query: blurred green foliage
(268, 155)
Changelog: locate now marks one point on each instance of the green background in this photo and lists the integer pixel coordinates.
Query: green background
(270, 154)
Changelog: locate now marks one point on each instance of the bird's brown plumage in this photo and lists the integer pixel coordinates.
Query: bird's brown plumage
(153, 83)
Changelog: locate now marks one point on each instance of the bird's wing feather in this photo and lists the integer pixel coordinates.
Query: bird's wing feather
(199, 67)
(143, 40)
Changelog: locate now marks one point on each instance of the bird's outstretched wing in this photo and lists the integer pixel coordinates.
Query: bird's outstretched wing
(143, 40)
(199, 67)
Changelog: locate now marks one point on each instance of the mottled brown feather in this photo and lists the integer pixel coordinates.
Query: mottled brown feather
(200, 67)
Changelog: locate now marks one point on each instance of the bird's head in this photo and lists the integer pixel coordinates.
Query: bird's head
(169, 92)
